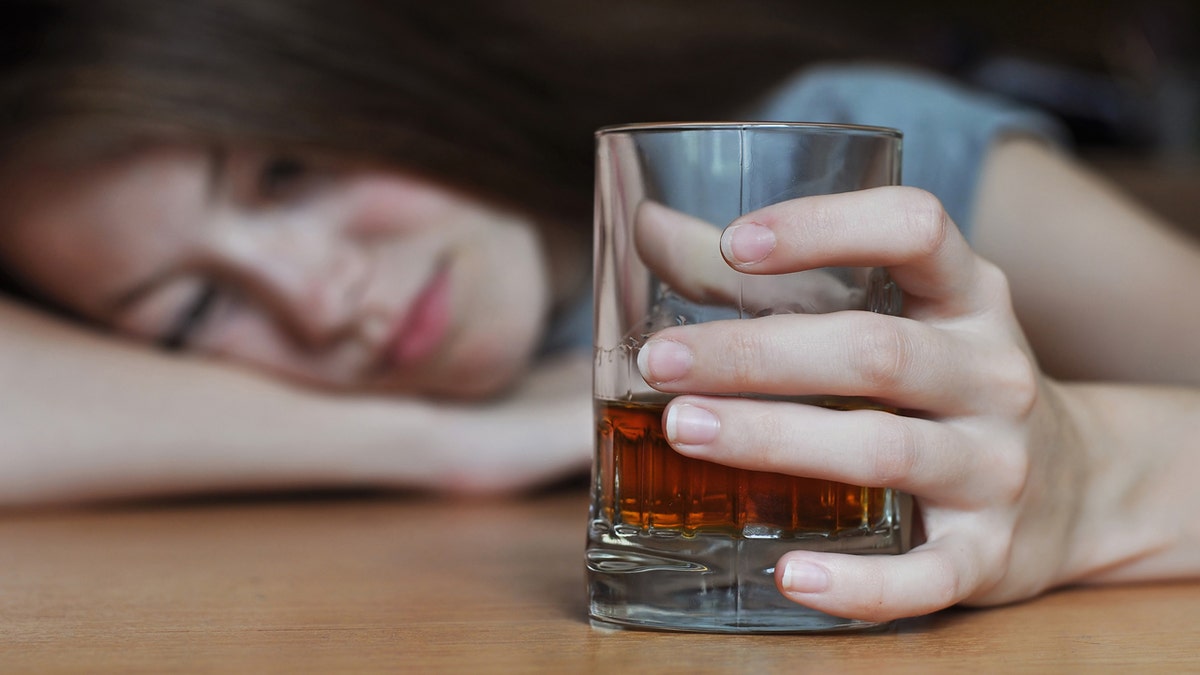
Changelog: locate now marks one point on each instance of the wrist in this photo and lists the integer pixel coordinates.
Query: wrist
(1138, 445)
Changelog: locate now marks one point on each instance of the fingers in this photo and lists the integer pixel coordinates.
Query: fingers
(864, 446)
(933, 576)
(904, 363)
(685, 254)
(955, 363)
(901, 228)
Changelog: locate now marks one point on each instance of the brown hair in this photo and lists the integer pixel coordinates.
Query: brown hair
(497, 97)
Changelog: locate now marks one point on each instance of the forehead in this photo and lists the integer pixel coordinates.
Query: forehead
(79, 233)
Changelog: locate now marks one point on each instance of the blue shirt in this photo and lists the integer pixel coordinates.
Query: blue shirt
(947, 128)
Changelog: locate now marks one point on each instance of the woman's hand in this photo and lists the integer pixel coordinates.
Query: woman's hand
(983, 442)
(539, 433)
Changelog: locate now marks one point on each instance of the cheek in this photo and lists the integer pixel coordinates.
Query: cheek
(519, 272)
(510, 312)
(67, 262)
(385, 203)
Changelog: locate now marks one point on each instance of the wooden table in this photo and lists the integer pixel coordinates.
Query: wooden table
(412, 584)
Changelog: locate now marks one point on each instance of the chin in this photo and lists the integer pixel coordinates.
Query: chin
(476, 380)
(485, 373)
(478, 385)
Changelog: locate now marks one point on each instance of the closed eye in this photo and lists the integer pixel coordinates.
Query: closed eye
(279, 176)
(191, 319)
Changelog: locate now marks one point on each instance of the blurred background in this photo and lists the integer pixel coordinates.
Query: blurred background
(1123, 74)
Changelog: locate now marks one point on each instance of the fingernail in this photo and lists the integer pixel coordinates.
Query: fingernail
(805, 577)
(747, 243)
(690, 425)
(664, 361)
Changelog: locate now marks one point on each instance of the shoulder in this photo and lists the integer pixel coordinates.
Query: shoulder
(883, 93)
(948, 127)
(570, 328)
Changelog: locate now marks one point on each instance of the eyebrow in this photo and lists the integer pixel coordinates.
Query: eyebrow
(215, 176)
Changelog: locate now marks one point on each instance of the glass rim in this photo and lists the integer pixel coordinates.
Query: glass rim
(634, 127)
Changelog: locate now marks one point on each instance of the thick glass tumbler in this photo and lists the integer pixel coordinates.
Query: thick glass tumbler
(682, 544)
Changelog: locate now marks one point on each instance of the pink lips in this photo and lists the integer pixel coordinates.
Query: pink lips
(424, 327)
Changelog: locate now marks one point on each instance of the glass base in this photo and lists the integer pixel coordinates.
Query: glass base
(709, 583)
(655, 620)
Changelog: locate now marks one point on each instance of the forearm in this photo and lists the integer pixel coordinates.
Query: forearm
(1103, 288)
(1137, 519)
(84, 417)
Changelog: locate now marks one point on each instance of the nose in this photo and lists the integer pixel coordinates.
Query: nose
(308, 279)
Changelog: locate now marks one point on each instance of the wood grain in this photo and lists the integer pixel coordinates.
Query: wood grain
(373, 584)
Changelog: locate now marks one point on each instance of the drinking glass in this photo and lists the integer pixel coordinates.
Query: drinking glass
(682, 544)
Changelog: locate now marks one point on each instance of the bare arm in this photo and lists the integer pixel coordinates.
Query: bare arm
(86, 417)
(1104, 289)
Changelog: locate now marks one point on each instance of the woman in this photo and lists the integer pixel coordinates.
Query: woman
(449, 157)
(391, 199)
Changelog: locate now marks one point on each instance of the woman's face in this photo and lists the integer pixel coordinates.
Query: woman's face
(351, 279)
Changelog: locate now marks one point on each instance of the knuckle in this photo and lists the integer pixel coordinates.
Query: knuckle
(923, 215)
(995, 583)
(1012, 380)
(884, 354)
(1009, 474)
(895, 454)
(1020, 383)
(1013, 375)
(993, 281)
(1001, 466)
(945, 583)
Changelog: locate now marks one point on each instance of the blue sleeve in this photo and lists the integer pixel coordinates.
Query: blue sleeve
(947, 128)
(571, 328)
(947, 131)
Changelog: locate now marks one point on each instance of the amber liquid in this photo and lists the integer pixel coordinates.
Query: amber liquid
(656, 488)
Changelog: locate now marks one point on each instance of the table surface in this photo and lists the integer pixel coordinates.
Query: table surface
(415, 584)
